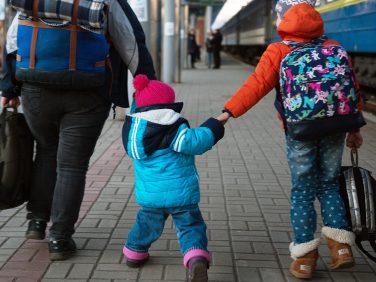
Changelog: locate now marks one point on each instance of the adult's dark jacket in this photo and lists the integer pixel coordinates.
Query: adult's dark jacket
(192, 45)
(217, 41)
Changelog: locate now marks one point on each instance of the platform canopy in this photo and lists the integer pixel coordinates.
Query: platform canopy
(204, 2)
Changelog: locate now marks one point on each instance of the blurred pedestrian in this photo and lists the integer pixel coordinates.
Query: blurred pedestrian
(209, 49)
(163, 147)
(66, 103)
(318, 101)
(192, 47)
(198, 53)
(217, 47)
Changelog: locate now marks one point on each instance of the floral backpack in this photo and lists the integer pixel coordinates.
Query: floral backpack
(317, 89)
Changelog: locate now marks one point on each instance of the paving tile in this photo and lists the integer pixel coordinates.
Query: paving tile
(155, 272)
(246, 274)
(58, 270)
(80, 271)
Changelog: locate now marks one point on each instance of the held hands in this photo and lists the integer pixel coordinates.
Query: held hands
(14, 102)
(354, 140)
(224, 117)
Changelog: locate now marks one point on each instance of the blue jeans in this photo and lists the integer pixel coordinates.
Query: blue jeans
(189, 224)
(66, 126)
(209, 56)
(315, 168)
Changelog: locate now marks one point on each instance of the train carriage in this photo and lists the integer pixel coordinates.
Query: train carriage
(353, 24)
(350, 22)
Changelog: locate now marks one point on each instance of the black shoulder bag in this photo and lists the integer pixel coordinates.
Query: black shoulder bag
(358, 191)
(16, 158)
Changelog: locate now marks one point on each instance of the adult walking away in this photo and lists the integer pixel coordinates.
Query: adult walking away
(192, 47)
(317, 112)
(217, 47)
(65, 100)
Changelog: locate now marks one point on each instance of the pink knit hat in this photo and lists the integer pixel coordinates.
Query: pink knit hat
(149, 92)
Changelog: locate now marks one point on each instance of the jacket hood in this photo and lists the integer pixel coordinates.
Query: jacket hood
(159, 116)
(177, 107)
(147, 131)
(301, 23)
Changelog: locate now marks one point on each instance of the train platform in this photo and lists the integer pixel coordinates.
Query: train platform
(245, 186)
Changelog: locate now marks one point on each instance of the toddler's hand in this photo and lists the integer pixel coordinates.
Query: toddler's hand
(354, 140)
(224, 117)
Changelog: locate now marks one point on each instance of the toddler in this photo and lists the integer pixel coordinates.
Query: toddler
(162, 145)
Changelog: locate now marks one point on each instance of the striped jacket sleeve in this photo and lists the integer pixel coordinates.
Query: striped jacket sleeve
(196, 141)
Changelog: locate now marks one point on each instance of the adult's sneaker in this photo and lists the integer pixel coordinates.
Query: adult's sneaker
(36, 229)
(61, 249)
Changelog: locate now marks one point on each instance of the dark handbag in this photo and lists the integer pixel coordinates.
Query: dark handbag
(358, 191)
(16, 159)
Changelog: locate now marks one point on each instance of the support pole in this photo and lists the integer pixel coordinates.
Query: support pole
(182, 37)
(186, 29)
(192, 21)
(208, 18)
(178, 41)
(208, 23)
(168, 61)
(2, 33)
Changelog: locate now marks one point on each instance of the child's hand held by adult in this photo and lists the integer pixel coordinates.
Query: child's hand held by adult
(224, 117)
(354, 140)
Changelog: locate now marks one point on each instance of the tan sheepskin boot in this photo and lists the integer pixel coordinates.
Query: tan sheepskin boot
(339, 243)
(305, 256)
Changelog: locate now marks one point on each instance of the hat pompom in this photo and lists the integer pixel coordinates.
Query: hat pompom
(151, 92)
(140, 82)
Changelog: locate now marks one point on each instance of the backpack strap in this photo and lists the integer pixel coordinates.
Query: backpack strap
(34, 35)
(35, 10)
(73, 37)
(316, 41)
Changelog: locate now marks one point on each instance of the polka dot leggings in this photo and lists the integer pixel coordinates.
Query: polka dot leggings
(315, 167)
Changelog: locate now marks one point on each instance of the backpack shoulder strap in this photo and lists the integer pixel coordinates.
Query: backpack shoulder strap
(34, 36)
(73, 37)
(331, 42)
(35, 10)
(316, 41)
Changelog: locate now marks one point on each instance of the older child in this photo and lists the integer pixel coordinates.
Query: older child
(163, 146)
(314, 161)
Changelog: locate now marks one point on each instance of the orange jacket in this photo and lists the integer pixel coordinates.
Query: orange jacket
(301, 23)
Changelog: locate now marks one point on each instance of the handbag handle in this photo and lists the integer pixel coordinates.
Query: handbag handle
(5, 108)
(354, 157)
(2, 120)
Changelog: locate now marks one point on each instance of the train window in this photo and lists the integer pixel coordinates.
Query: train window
(323, 2)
